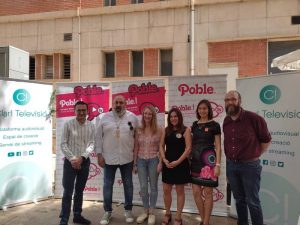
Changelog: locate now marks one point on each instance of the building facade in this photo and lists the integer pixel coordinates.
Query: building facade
(92, 40)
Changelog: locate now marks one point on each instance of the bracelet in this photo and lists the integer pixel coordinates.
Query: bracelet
(218, 164)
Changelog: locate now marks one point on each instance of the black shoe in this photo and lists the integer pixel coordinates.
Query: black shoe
(81, 220)
(63, 221)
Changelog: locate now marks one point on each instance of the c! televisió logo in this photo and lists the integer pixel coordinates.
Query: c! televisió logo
(270, 94)
(21, 97)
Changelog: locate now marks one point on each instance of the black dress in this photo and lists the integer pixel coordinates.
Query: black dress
(203, 153)
(175, 146)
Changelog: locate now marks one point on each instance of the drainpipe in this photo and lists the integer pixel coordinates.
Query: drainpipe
(192, 38)
(79, 41)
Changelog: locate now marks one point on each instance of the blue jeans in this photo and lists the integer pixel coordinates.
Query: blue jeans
(109, 179)
(71, 178)
(147, 170)
(244, 179)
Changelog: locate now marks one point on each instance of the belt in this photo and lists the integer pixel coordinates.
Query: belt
(244, 160)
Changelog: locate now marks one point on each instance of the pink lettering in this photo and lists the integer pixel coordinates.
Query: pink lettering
(89, 90)
(184, 107)
(134, 89)
(197, 89)
(90, 189)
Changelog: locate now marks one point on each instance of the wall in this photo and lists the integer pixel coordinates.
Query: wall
(245, 25)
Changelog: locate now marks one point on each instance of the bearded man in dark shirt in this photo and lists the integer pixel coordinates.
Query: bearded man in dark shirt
(246, 138)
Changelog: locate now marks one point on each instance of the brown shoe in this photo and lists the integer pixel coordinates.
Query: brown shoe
(177, 222)
(167, 219)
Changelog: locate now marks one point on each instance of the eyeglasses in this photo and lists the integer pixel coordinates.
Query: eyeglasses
(130, 125)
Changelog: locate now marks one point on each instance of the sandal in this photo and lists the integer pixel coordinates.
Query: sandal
(178, 221)
(167, 219)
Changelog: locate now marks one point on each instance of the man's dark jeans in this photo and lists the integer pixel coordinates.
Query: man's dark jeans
(244, 179)
(109, 179)
(71, 178)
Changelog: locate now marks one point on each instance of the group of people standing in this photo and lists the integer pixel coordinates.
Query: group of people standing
(182, 154)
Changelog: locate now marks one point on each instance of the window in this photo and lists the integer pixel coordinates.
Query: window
(110, 64)
(3, 64)
(109, 2)
(67, 36)
(137, 63)
(48, 67)
(137, 1)
(166, 62)
(31, 68)
(66, 72)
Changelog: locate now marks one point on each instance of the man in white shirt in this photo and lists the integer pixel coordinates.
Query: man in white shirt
(76, 144)
(114, 147)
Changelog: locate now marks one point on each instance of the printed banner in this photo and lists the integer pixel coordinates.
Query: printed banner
(276, 99)
(185, 93)
(139, 94)
(25, 142)
(96, 95)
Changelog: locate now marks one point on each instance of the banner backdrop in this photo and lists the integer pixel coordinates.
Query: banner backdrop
(96, 95)
(276, 98)
(185, 93)
(139, 94)
(25, 142)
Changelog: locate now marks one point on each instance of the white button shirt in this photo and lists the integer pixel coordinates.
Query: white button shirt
(77, 139)
(115, 146)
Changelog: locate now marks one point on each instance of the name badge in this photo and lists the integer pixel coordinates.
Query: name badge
(178, 135)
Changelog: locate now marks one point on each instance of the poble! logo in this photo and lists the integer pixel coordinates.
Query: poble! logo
(21, 97)
(88, 90)
(216, 108)
(270, 94)
(68, 103)
(94, 171)
(134, 89)
(94, 110)
(195, 90)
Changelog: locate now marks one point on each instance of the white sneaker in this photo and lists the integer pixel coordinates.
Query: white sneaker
(105, 218)
(151, 219)
(141, 218)
(128, 216)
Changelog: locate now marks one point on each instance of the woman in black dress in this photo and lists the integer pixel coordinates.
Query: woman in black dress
(175, 147)
(206, 159)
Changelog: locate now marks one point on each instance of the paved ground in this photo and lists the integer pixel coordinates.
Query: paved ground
(46, 213)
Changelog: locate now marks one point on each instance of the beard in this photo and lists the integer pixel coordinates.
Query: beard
(232, 110)
(119, 111)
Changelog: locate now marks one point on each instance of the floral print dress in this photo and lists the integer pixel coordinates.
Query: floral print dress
(203, 153)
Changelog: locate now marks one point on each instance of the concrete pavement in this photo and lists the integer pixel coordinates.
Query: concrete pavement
(46, 213)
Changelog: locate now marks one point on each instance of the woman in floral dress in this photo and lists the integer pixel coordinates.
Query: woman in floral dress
(206, 159)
